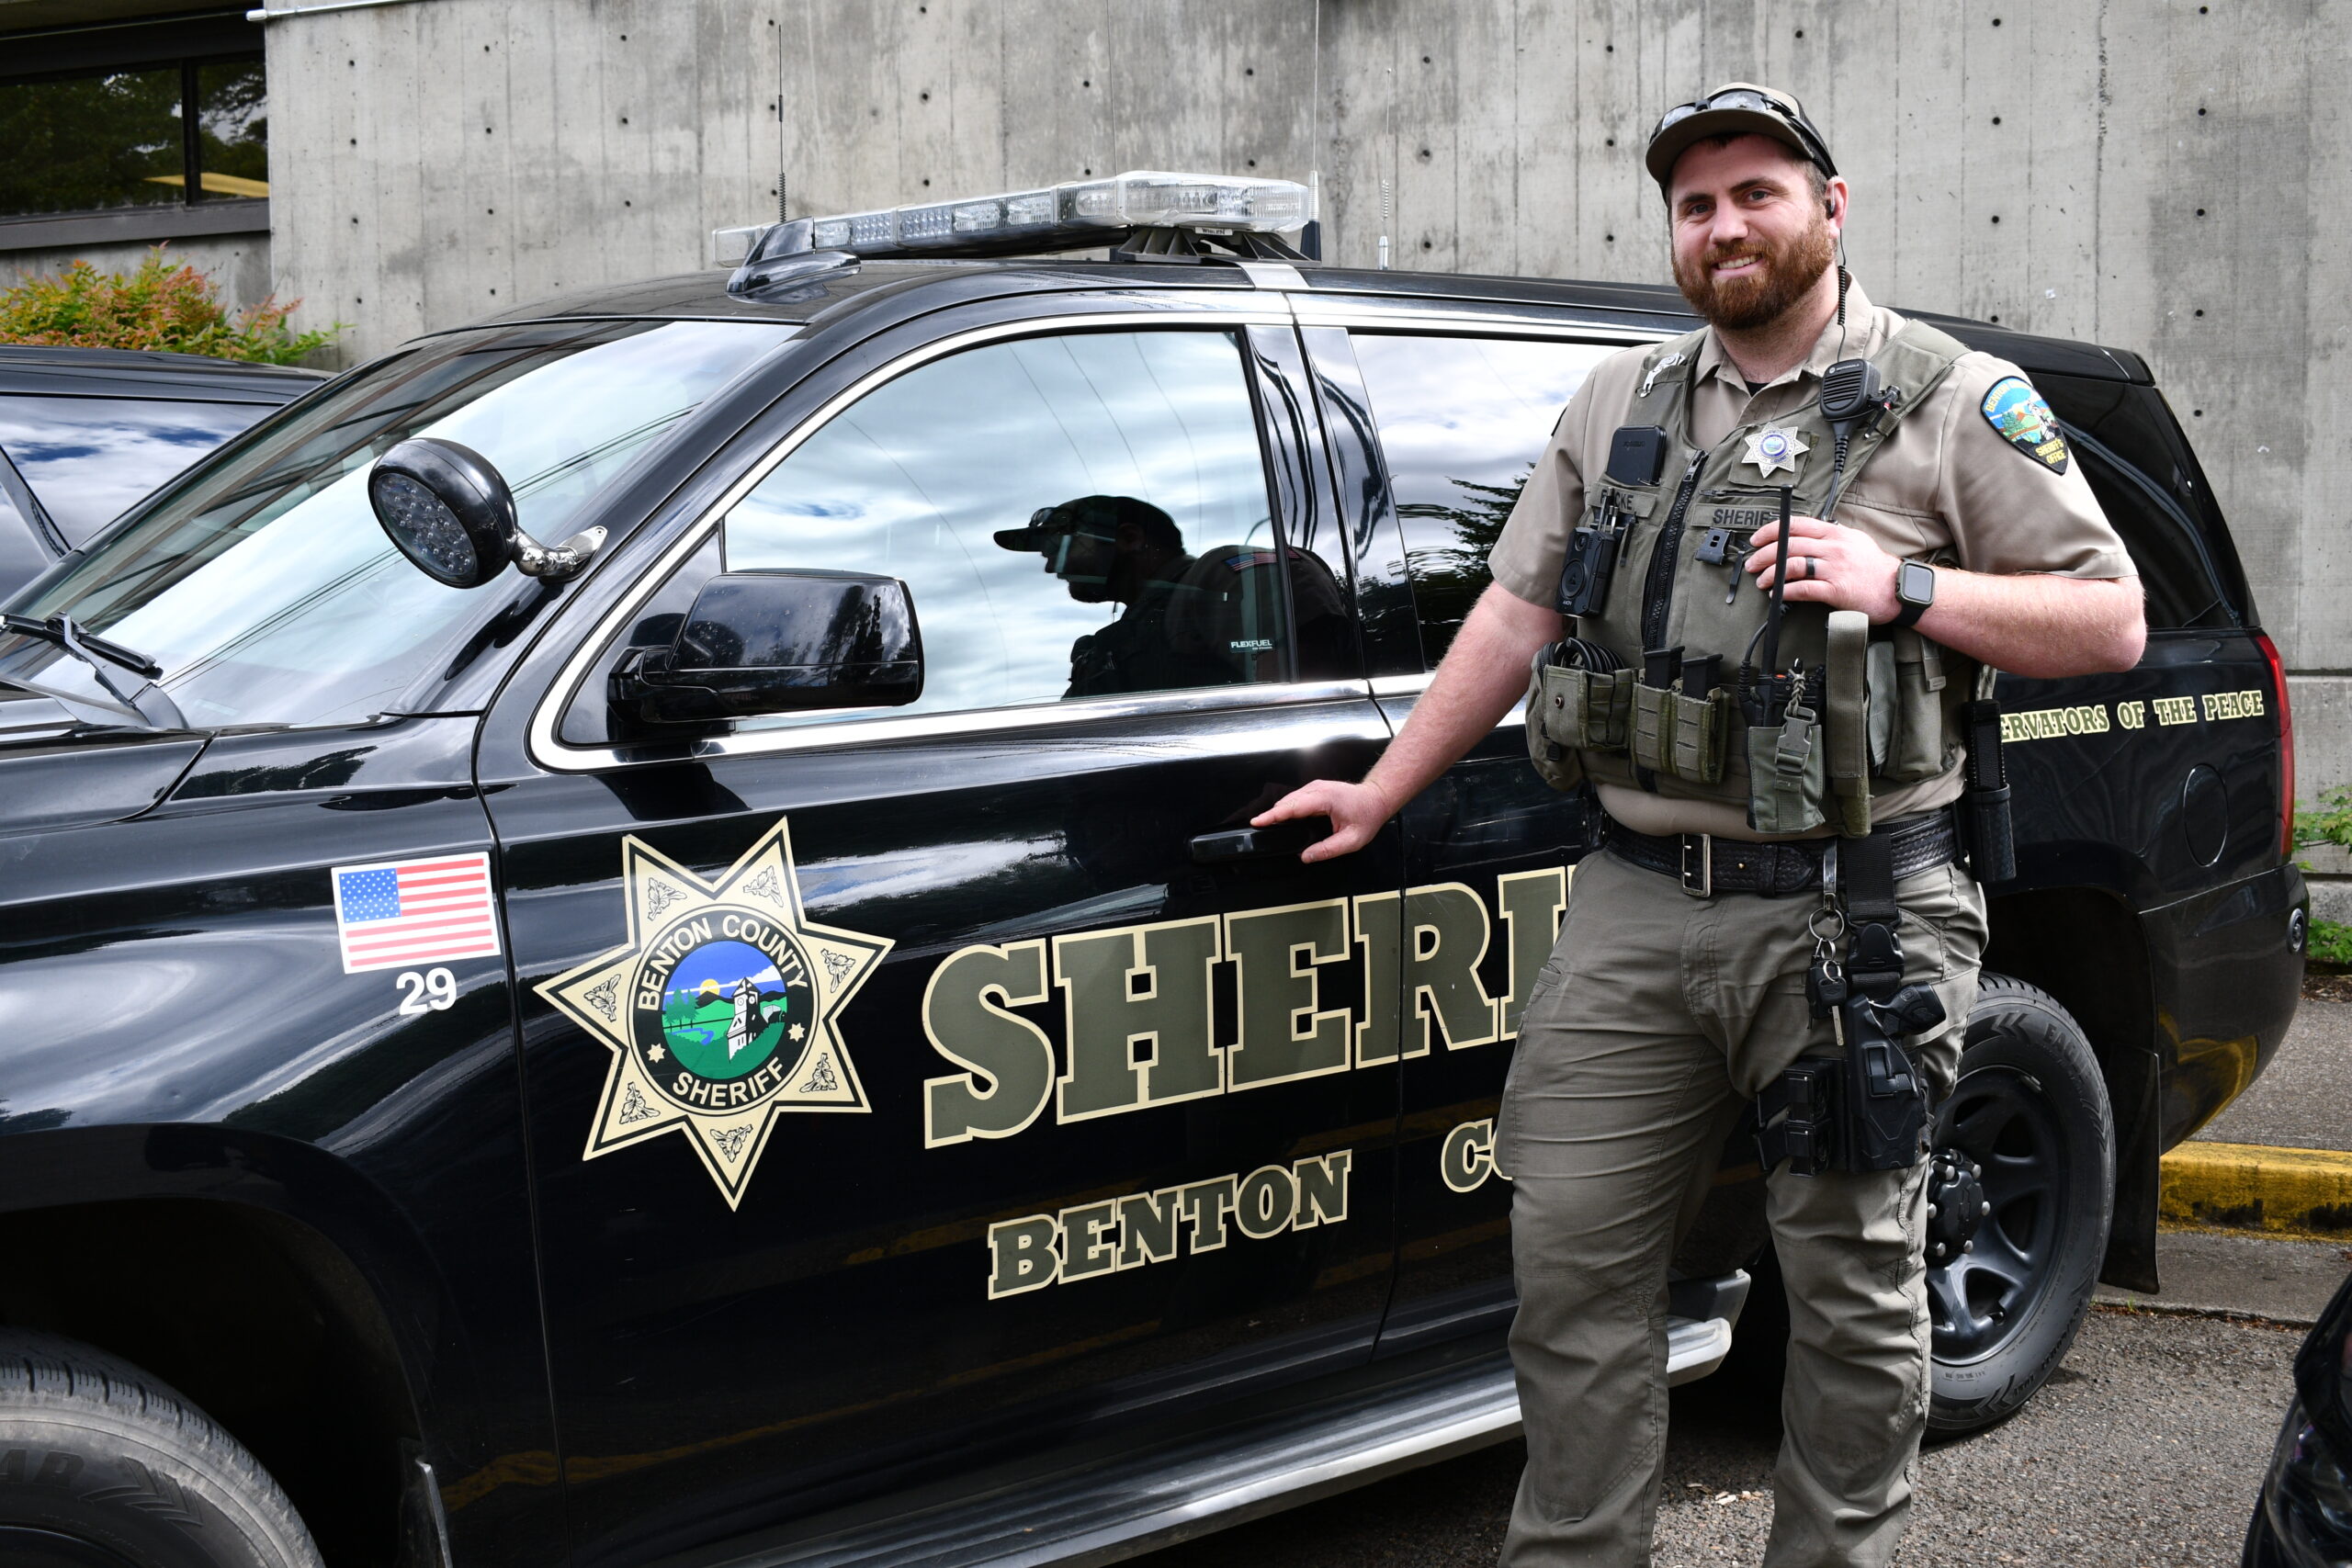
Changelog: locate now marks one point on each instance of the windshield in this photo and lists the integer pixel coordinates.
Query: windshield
(262, 583)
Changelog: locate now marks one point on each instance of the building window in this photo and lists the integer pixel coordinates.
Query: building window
(166, 134)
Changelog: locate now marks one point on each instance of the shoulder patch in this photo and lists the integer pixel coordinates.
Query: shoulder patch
(2017, 414)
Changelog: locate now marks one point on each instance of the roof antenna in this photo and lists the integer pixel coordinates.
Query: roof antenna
(783, 199)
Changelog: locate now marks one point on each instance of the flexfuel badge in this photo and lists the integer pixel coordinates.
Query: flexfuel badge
(720, 1009)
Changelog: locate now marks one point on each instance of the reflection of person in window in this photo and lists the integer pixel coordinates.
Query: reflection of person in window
(1206, 620)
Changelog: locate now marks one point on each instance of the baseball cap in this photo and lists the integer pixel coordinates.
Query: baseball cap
(1095, 516)
(1091, 516)
(1735, 109)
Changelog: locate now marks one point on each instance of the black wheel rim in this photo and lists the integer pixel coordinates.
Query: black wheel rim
(2006, 1139)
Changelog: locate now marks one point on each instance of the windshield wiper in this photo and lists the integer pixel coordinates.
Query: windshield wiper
(147, 702)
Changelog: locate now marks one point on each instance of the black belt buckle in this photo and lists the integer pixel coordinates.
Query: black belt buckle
(1705, 885)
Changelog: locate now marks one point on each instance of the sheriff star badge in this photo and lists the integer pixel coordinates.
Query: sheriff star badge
(721, 1010)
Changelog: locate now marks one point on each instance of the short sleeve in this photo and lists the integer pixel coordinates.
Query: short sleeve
(2015, 500)
(1527, 556)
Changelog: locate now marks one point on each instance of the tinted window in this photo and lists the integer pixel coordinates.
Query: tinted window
(89, 141)
(1461, 421)
(2152, 491)
(107, 139)
(1074, 517)
(88, 458)
(2165, 545)
(233, 129)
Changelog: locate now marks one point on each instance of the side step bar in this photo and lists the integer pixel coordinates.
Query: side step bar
(1136, 1502)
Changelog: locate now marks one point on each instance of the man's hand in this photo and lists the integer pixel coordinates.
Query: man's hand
(2028, 623)
(1483, 675)
(1357, 812)
(1842, 567)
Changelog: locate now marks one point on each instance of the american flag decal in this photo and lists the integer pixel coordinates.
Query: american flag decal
(402, 913)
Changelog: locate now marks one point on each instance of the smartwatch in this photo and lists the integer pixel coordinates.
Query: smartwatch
(1915, 590)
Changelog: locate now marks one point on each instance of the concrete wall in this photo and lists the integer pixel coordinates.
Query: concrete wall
(2162, 175)
(238, 263)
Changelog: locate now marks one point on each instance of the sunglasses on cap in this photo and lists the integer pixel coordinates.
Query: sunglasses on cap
(1778, 106)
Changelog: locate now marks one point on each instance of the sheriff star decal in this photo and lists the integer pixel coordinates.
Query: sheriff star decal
(1771, 450)
(719, 1009)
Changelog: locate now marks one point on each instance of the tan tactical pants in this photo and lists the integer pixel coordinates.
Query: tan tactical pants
(1658, 1018)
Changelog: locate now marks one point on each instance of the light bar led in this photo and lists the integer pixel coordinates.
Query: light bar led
(1079, 210)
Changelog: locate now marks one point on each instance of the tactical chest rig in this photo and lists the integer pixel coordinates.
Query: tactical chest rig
(1664, 681)
(1650, 688)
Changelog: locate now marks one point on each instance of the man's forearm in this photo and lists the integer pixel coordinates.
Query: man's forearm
(2038, 626)
(2027, 625)
(1482, 674)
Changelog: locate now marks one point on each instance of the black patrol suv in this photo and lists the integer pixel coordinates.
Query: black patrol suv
(630, 935)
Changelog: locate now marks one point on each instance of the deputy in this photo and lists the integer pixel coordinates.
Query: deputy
(1677, 992)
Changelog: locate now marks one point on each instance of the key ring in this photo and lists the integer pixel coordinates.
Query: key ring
(1821, 938)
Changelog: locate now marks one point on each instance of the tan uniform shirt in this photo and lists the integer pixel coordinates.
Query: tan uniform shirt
(1945, 487)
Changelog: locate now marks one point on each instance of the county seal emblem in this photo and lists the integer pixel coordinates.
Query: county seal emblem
(719, 1009)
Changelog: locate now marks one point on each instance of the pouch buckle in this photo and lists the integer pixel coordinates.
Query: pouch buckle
(1704, 886)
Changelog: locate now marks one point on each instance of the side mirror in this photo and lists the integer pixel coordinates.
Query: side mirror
(447, 510)
(761, 642)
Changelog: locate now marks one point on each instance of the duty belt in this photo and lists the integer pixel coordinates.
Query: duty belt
(1706, 866)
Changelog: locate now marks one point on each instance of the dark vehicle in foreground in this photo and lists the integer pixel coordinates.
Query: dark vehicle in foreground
(758, 1031)
(87, 433)
(2304, 1517)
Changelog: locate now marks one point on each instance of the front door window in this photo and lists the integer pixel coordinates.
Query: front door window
(1075, 516)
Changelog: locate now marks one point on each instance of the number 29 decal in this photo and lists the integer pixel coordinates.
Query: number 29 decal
(431, 991)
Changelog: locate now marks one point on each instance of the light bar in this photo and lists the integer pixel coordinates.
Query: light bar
(1060, 215)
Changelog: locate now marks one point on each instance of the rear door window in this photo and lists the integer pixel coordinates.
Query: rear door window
(89, 459)
(1461, 421)
(1075, 516)
(2149, 487)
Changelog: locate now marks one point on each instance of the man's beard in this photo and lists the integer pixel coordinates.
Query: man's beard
(1758, 298)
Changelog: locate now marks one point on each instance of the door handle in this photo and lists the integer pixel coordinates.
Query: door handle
(1284, 839)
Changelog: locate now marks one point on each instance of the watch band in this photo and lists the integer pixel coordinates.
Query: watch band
(1908, 610)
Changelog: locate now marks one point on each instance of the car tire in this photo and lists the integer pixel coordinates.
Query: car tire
(2026, 1144)
(102, 1466)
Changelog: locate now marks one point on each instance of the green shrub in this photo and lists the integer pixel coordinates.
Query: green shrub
(155, 305)
(2329, 822)
(2331, 944)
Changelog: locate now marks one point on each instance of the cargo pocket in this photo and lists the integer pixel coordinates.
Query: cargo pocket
(1787, 774)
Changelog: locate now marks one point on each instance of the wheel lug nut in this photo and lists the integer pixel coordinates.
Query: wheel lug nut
(1968, 1246)
(1986, 1207)
(1931, 1211)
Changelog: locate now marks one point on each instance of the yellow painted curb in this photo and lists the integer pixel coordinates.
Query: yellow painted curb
(2250, 1187)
